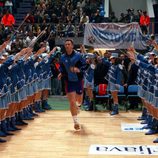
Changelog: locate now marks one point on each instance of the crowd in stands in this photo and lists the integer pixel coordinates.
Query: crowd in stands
(66, 18)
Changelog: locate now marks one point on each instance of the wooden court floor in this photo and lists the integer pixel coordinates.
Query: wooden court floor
(51, 135)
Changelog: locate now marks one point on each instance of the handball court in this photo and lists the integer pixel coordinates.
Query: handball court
(51, 135)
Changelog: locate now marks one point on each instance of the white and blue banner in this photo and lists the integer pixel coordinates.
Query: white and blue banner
(123, 150)
(133, 127)
(114, 35)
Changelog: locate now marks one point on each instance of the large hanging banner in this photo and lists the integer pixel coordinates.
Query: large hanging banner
(114, 35)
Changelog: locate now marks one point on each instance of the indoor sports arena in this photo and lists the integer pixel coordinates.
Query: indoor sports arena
(79, 78)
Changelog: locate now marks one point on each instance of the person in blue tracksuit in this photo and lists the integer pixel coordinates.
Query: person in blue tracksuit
(3, 99)
(150, 97)
(89, 80)
(32, 77)
(10, 113)
(17, 91)
(47, 74)
(6, 123)
(148, 92)
(114, 77)
(22, 90)
(38, 67)
(149, 88)
(72, 67)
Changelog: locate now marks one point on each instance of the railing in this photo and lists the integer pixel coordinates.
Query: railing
(77, 30)
(62, 30)
(77, 33)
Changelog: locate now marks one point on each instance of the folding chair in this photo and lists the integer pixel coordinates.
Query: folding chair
(132, 93)
(105, 98)
(122, 96)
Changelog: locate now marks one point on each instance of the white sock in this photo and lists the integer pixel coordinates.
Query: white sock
(78, 104)
(75, 119)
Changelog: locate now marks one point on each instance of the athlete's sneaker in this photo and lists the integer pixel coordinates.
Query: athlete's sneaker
(156, 140)
(77, 126)
(2, 140)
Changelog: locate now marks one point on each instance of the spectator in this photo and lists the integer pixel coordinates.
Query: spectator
(69, 18)
(62, 18)
(84, 19)
(30, 18)
(51, 41)
(64, 10)
(54, 19)
(43, 25)
(70, 30)
(150, 42)
(113, 18)
(36, 30)
(81, 3)
(106, 57)
(122, 18)
(56, 84)
(144, 22)
(57, 10)
(38, 17)
(124, 61)
(8, 19)
(9, 5)
(101, 71)
(1, 6)
(152, 57)
(1, 15)
(87, 8)
(60, 29)
(80, 32)
(77, 14)
(137, 17)
(132, 76)
(1, 34)
(46, 18)
(130, 15)
(13, 49)
(156, 61)
(30, 38)
(97, 17)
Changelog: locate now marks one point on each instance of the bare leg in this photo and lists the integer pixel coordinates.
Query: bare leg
(115, 103)
(90, 92)
(73, 109)
(79, 100)
(72, 101)
(114, 96)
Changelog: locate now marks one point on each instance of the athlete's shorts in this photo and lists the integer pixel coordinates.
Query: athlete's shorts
(76, 86)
